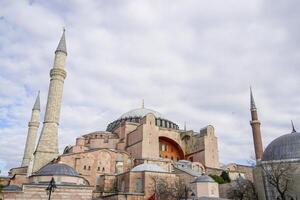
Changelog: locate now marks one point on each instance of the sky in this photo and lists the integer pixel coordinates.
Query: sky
(193, 61)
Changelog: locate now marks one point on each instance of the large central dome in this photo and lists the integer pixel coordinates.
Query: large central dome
(140, 112)
(136, 115)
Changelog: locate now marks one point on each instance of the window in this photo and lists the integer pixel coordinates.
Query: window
(98, 169)
(166, 146)
(103, 169)
(172, 158)
(166, 156)
(89, 167)
(84, 167)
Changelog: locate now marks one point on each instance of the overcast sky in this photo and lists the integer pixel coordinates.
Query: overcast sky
(192, 61)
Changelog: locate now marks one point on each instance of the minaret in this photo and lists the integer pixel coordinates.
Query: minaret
(47, 147)
(255, 124)
(33, 127)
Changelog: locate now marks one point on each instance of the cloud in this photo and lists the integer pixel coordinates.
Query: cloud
(192, 61)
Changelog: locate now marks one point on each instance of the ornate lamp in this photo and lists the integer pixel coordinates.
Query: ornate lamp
(51, 188)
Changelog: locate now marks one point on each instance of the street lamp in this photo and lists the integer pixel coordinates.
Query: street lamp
(51, 187)
(193, 195)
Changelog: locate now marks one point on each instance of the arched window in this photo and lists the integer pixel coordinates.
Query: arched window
(89, 167)
(84, 167)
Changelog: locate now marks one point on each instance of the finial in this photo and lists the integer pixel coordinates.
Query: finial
(293, 127)
(185, 126)
(143, 103)
(252, 102)
(37, 104)
(62, 47)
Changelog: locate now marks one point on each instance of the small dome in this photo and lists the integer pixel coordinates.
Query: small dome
(284, 147)
(56, 169)
(148, 167)
(140, 112)
(204, 179)
(12, 188)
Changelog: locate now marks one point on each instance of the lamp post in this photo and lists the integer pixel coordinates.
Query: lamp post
(51, 187)
(193, 195)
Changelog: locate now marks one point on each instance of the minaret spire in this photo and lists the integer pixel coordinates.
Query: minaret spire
(252, 102)
(293, 127)
(62, 47)
(47, 147)
(255, 124)
(33, 126)
(37, 104)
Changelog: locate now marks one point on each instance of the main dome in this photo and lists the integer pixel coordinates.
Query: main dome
(136, 115)
(284, 147)
(140, 112)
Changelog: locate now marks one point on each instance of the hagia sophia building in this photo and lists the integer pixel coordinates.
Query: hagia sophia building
(139, 144)
(122, 161)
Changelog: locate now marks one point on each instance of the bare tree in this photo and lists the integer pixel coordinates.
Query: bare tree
(179, 190)
(278, 175)
(242, 189)
(160, 187)
(165, 190)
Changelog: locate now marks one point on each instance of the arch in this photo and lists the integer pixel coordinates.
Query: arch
(169, 148)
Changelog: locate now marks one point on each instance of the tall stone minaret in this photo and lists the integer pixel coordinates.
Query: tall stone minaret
(255, 124)
(47, 147)
(33, 127)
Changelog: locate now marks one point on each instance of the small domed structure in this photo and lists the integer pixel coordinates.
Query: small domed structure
(12, 188)
(203, 179)
(148, 167)
(284, 147)
(62, 174)
(56, 169)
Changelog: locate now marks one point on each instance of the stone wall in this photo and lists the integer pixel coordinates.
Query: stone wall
(38, 192)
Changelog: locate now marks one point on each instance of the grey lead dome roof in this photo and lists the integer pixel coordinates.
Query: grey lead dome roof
(203, 179)
(284, 147)
(148, 167)
(140, 112)
(56, 169)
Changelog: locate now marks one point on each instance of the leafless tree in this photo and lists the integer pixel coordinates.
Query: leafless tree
(165, 190)
(278, 175)
(242, 189)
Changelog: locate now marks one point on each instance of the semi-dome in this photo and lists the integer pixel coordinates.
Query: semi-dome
(203, 179)
(284, 147)
(56, 169)
(148, 167)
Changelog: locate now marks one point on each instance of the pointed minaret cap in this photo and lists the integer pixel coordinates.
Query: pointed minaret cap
(37, 105)
(252, 102)
(62, 47)
(293, 127)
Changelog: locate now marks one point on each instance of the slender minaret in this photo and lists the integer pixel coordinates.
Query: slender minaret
(33, 127)
(255, 124)
(47, 147)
